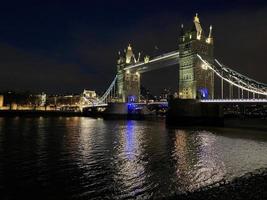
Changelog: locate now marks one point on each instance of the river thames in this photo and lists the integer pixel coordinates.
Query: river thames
(86, 158)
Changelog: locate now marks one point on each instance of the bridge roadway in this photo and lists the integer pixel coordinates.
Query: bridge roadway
(165, 103)
(211, 101)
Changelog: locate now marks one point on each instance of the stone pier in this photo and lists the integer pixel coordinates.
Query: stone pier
(190, 112)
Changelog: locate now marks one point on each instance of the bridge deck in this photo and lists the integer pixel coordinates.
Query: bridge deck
(234, 101)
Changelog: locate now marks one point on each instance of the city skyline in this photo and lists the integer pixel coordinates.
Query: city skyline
(60, 47)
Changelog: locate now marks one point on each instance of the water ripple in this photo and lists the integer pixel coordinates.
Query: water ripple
(84, 158)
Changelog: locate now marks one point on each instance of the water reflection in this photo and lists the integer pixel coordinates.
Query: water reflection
(130, 174)
(93, 159)
(130, 141)
(198, 163)
(86, 140)
(84, 158)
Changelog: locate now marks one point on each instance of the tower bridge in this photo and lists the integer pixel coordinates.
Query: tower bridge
(198, 70)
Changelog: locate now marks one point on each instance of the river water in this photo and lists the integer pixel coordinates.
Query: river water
(85, 158)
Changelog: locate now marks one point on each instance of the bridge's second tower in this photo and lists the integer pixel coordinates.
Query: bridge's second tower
(195, 80)
(128, 82)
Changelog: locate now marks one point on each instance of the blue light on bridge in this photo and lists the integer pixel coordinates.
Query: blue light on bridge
(204, 93)
(131, 107)
(131, 99)
(130, 104)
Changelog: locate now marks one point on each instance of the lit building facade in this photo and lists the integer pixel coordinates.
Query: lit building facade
(1, 101)
(195, 80)
(89, 93)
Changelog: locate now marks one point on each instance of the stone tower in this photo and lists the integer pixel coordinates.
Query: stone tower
(196, 81)
(128, 82)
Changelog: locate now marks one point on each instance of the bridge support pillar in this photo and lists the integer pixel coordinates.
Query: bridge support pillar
(183, 112)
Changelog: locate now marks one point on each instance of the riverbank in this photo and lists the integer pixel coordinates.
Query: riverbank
(229, 122)
(246, 123)
(38, 113)
(251, 186)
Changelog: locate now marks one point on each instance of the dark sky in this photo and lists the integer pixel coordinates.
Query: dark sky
(66, 46)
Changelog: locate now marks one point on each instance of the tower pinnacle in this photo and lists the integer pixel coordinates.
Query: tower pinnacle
(196, 18)
(129, 54)
(210, 38)
(129, 47)
(197, 27)
(182, 30)
(210, 33)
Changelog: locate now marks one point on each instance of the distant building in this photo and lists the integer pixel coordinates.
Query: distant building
(89, 94)
(165, 93)
(146, 94)
(63, 100)
(1, 101)
(41, 99)
(88, 97)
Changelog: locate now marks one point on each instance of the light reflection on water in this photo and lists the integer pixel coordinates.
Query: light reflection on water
(197, 162)
(92, 158)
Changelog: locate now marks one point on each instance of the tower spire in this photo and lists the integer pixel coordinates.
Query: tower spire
(197, 27)
(196, 18)
(182, 34)
(129, 54)
(210, 38)
(182, 30)
(210, 33)
(129, 47)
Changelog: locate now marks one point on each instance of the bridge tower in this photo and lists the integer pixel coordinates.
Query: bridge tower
(195, 80)
(128, 82)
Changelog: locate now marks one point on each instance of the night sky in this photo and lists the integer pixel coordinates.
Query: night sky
(66, 46)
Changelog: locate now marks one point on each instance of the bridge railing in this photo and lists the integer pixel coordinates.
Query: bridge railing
(233, 100)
